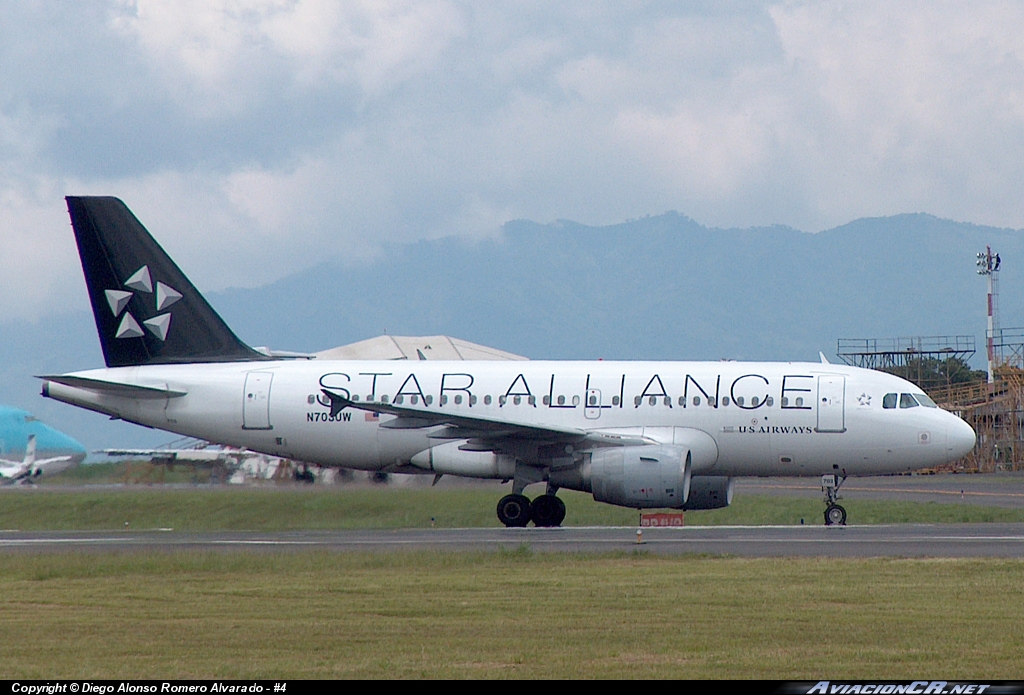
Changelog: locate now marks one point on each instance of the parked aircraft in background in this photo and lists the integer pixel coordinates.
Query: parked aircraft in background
(29, 448)
(226, 463)
(634, 434)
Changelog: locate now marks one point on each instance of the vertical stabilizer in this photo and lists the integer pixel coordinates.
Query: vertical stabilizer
(30, 452)
(146, 310)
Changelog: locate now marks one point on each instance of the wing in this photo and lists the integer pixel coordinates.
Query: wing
(484, 433)
(166, 455)
(12, 474)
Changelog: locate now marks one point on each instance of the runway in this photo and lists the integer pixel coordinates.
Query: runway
(989, 490)
(905, 540)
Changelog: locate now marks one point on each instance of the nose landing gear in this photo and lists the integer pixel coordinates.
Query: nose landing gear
(835, 515)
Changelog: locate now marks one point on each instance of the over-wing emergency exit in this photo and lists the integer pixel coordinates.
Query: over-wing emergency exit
(634, 434)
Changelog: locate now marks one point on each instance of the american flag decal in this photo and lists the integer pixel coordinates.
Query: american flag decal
(372, 416)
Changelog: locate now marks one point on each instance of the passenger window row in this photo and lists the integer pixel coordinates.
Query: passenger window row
(755, 401)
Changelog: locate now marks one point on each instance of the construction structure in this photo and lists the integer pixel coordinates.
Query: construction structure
(932, 362)
(991, 402)
(995, 409)
(431, 347)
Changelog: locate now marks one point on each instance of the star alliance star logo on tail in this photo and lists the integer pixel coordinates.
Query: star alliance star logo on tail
(141, 282)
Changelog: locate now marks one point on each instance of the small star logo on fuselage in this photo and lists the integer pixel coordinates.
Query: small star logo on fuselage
(142, 283)
(864, 399)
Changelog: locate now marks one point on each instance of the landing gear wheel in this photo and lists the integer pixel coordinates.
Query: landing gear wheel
(514, 510)
(548, 510)
(835, 515)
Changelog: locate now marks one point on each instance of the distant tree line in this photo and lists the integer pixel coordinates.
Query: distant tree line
(933, 374)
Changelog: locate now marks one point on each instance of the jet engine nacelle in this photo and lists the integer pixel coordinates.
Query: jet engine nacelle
(640, 476)
(449, 459)
(710, 492)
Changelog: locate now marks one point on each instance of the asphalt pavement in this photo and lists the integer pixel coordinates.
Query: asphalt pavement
(900, 540)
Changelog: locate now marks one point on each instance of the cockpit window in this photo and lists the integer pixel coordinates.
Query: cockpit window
(925, 400)
(908, 401)
(889, 401)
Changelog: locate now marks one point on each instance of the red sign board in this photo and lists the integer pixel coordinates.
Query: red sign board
(662, 519)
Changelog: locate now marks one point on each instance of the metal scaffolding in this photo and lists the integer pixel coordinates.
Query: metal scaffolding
(882, 353)
(995, 410)
(935, 363)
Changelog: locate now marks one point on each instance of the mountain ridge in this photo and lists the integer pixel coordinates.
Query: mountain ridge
(660, 287)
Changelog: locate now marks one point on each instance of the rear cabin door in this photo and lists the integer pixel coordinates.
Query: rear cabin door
(256, 401)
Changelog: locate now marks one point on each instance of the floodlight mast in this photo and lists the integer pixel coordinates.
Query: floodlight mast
(988, 264)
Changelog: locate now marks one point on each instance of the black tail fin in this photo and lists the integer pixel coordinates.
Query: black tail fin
(146, 310)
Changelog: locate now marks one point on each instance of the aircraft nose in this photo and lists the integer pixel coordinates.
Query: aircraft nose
(960, 438)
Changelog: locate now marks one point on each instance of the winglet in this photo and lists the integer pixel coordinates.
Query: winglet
(822, 356)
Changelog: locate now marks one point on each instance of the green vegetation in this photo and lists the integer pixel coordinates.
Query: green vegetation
(274, 509)
(131, 472)
(933, 375)
(358, 507)
(513, 614)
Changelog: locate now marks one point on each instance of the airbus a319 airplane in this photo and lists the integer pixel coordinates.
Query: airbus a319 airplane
(634, 434)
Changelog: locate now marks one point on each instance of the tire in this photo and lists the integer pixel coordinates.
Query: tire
(514, 510)
(548, 510)
(835, 515)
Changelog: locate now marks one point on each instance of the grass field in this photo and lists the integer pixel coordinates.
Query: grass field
(514, 613)
(509, 614)
(276, 509)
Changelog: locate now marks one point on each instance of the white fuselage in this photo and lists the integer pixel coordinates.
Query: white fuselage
(766, 418)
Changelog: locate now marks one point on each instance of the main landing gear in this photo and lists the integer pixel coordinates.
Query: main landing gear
(835, 515)
(516, 510)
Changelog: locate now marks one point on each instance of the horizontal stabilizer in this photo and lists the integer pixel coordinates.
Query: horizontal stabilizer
(114, 388)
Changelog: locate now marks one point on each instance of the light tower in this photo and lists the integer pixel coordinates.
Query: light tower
(988, 264)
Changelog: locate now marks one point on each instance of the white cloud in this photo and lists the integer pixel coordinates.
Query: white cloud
(258, 137)
(914, 105)
(39, 270)
(219, 55)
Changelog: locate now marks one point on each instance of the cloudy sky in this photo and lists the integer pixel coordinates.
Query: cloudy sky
(257, 137)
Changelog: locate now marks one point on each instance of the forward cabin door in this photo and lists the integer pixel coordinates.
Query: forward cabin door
(831, 403)
(256, 401)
